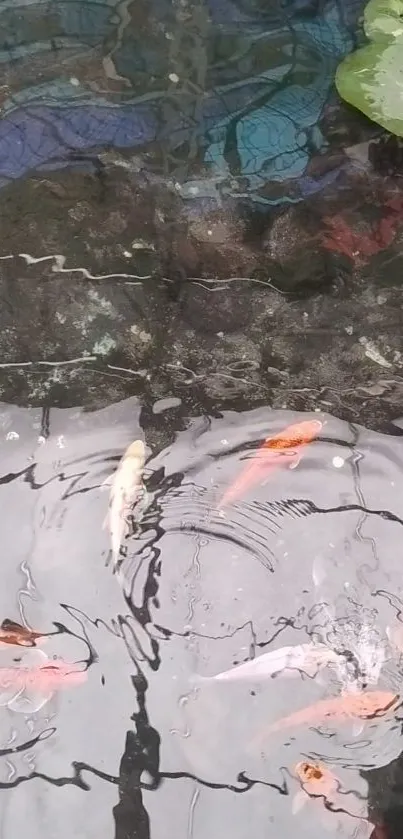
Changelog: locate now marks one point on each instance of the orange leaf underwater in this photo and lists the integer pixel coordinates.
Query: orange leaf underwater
(316, 779)
(14, 633)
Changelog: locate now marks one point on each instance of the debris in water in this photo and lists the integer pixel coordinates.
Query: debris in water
(373, 353)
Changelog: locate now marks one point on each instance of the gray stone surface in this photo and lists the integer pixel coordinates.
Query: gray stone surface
(229, 314)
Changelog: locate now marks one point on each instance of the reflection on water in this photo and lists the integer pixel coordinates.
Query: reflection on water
(308, 556)
(223, 89)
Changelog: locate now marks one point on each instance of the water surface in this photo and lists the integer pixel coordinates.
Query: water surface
(200, 246)
(197, 592)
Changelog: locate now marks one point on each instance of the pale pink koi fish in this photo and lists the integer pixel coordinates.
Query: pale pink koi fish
(26, 687)
(49, 677)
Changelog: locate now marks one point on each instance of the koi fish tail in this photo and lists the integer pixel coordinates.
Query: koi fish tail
(196, 680)
(241, 485)
(29, 701)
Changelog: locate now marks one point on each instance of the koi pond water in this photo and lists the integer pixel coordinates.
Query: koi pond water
(201, 418)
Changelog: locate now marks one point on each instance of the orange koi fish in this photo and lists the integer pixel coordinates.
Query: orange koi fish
(283, 448)
(316, 782)
(14, 633)
(364, 705)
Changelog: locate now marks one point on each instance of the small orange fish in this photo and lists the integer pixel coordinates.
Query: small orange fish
(316, 782)
(364, 705)
(283, 448)
(316, 779)
(14, 633)
(324, 791)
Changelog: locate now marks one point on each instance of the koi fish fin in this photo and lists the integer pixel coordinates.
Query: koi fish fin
(320, 680)
(298, 802)
(105, 523)
(8, 694)
(196, 680)
(358, 727)
(145, 498)
(12, 626)
(141, 504)
(395, 636)
(318, 571)
(107, 482)
(295, 461)
(29, 701)
(109, 559)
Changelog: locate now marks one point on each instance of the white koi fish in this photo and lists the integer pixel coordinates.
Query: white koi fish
(126, 490)
(302, 658)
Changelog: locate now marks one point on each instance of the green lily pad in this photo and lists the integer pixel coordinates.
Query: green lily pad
(371, 78)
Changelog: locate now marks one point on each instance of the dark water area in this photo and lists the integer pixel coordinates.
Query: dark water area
(201, 247)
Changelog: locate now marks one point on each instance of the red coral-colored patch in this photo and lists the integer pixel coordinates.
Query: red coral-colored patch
(359, 247)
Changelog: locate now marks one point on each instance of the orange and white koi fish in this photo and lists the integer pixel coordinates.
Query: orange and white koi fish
(27, 686)
(14, 633)
(365, 705)
(282, 449)
(125, 491)
(316, 782)
(302, 658)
